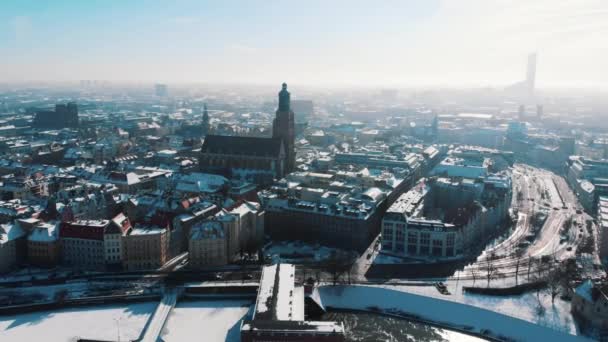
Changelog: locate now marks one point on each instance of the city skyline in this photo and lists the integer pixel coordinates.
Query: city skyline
(410, 43)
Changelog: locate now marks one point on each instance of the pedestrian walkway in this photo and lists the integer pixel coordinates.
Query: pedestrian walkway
(158, 320)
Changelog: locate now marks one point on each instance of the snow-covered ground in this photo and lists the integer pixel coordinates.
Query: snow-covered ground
(301, 252)
(74, 289)
(446, 311)
(206, 320)
(47, 293)
(528, 307)
(28, 274)
(99, 322)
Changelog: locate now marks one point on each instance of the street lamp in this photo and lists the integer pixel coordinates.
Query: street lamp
(117, 320)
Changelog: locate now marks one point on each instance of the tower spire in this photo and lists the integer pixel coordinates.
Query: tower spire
(283, 128)
(205, 124)
(284, 99)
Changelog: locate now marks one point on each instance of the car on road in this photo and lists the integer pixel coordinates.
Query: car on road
(442, 288)
(524, 244)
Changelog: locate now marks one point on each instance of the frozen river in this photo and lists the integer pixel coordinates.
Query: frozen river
(190, 320)
(106, 322)
(196, 320)
(374, 327)
(206, 321)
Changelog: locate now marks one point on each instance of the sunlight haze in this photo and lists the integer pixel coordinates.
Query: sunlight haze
(396, 43)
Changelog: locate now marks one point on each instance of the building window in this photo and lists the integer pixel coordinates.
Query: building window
(450, 240)
(437, 247)
(399, 240)
(425, 240)
(412, 238)
(449, 245)
(387, 238)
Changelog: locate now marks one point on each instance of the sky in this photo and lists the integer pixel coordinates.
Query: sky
(339, 42)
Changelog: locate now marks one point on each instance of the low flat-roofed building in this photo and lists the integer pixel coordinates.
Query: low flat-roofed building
(275, 299)
(462, 167)
(279, 312)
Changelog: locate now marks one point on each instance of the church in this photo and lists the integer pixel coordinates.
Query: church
(257, 160)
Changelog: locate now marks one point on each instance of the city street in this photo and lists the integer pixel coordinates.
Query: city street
(538, 191)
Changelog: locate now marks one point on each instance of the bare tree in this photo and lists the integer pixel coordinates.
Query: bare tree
(568, 275)
(490, 268)
(530, 262)
(251, 247)
(337, 265)
(554, 283)
(520, 196)
(317, 275)
(243, 269)
(543, 264)
(519, 253)
(304, 273)
(474, 273)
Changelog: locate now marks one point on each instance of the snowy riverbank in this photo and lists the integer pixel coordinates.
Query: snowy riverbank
(450, 313)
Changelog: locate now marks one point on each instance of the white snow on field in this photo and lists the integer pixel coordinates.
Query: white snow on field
(99, 322)
(206, 321)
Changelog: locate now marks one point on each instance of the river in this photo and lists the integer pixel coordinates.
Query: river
(361, 326)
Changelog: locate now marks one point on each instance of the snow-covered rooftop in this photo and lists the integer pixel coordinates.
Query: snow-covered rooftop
(46, 232)
(207, 231)
(285, 293)
(9, 232)
(276, 294)
(148, 230)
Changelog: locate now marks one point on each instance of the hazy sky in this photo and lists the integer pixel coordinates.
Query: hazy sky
(426, 42)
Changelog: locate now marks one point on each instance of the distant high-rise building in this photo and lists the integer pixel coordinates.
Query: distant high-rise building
(205, 124)
(539, 111)
(284, 127)
(525, 89)
(161, 90)
(521, 113)
(531, 74)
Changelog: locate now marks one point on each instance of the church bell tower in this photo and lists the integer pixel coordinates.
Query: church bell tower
(205, 122)
(283, 127)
